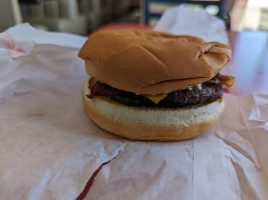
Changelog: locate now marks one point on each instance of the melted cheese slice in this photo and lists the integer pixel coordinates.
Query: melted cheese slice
(155, 98)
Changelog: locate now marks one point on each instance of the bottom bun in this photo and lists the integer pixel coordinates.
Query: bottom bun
(139, 123)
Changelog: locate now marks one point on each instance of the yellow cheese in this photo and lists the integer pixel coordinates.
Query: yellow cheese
(155, 98)
(198, 86)
(92, 81)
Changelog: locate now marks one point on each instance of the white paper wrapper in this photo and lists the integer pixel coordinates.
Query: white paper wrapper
(182, 20)
(50, 149)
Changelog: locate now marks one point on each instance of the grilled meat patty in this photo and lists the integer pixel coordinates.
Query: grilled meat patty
(195, 95)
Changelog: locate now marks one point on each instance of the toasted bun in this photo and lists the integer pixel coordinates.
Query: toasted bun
(151, 124)
(150, 62)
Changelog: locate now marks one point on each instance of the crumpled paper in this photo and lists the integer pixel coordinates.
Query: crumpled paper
(181, 20)
(50, 149)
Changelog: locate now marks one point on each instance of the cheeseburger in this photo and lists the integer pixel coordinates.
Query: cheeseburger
(148, 85)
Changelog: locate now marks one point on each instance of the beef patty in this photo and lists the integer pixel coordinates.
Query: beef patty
(207, 92)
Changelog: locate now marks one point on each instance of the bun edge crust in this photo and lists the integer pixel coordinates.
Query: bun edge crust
(149, 124)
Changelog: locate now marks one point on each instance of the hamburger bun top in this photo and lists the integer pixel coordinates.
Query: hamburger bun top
(151, 62)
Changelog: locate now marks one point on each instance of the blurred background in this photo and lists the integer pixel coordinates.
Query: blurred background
(85, 16)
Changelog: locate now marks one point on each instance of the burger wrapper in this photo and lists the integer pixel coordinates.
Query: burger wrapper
(181, 20)
(50, 149)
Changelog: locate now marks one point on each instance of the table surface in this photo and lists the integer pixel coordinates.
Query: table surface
(249, 62)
